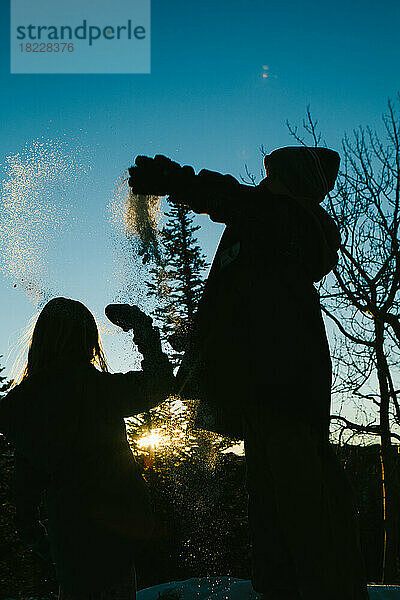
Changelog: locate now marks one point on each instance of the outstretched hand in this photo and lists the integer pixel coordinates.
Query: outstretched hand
(148, 341)
(160, 176)
(128, 317)
(145, 336)
(153, 175)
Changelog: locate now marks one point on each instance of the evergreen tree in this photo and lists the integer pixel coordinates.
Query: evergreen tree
(178, 283)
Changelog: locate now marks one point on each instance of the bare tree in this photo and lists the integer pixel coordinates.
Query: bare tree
(362, 299)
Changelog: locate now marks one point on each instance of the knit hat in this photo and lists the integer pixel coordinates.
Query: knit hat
(307, 172)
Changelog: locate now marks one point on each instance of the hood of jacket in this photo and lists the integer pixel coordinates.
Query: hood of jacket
(300, 229)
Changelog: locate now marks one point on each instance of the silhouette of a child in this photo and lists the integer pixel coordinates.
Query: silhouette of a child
(65, 421)
(258, 359)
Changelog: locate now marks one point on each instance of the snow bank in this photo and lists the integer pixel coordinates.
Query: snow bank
(229, 588)
(217, 588)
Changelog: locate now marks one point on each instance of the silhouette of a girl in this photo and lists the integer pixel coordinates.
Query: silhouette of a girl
(65, 421)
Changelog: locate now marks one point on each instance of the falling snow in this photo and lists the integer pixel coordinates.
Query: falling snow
(136, 220)
(32, 211)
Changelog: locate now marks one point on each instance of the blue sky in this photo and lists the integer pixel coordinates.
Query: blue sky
(205, 103)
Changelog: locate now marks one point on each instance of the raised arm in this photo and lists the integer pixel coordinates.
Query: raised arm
(222, 197)
(138, 391)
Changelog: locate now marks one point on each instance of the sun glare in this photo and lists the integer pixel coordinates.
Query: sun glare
(153, 440)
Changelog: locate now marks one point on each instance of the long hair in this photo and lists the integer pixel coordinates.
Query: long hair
(65, 334)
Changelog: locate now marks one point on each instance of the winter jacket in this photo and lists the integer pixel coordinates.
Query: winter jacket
(259, 321)
(67, 428)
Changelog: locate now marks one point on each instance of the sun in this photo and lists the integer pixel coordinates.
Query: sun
(153, 439)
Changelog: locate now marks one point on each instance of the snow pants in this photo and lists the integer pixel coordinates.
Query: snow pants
(302, 515)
